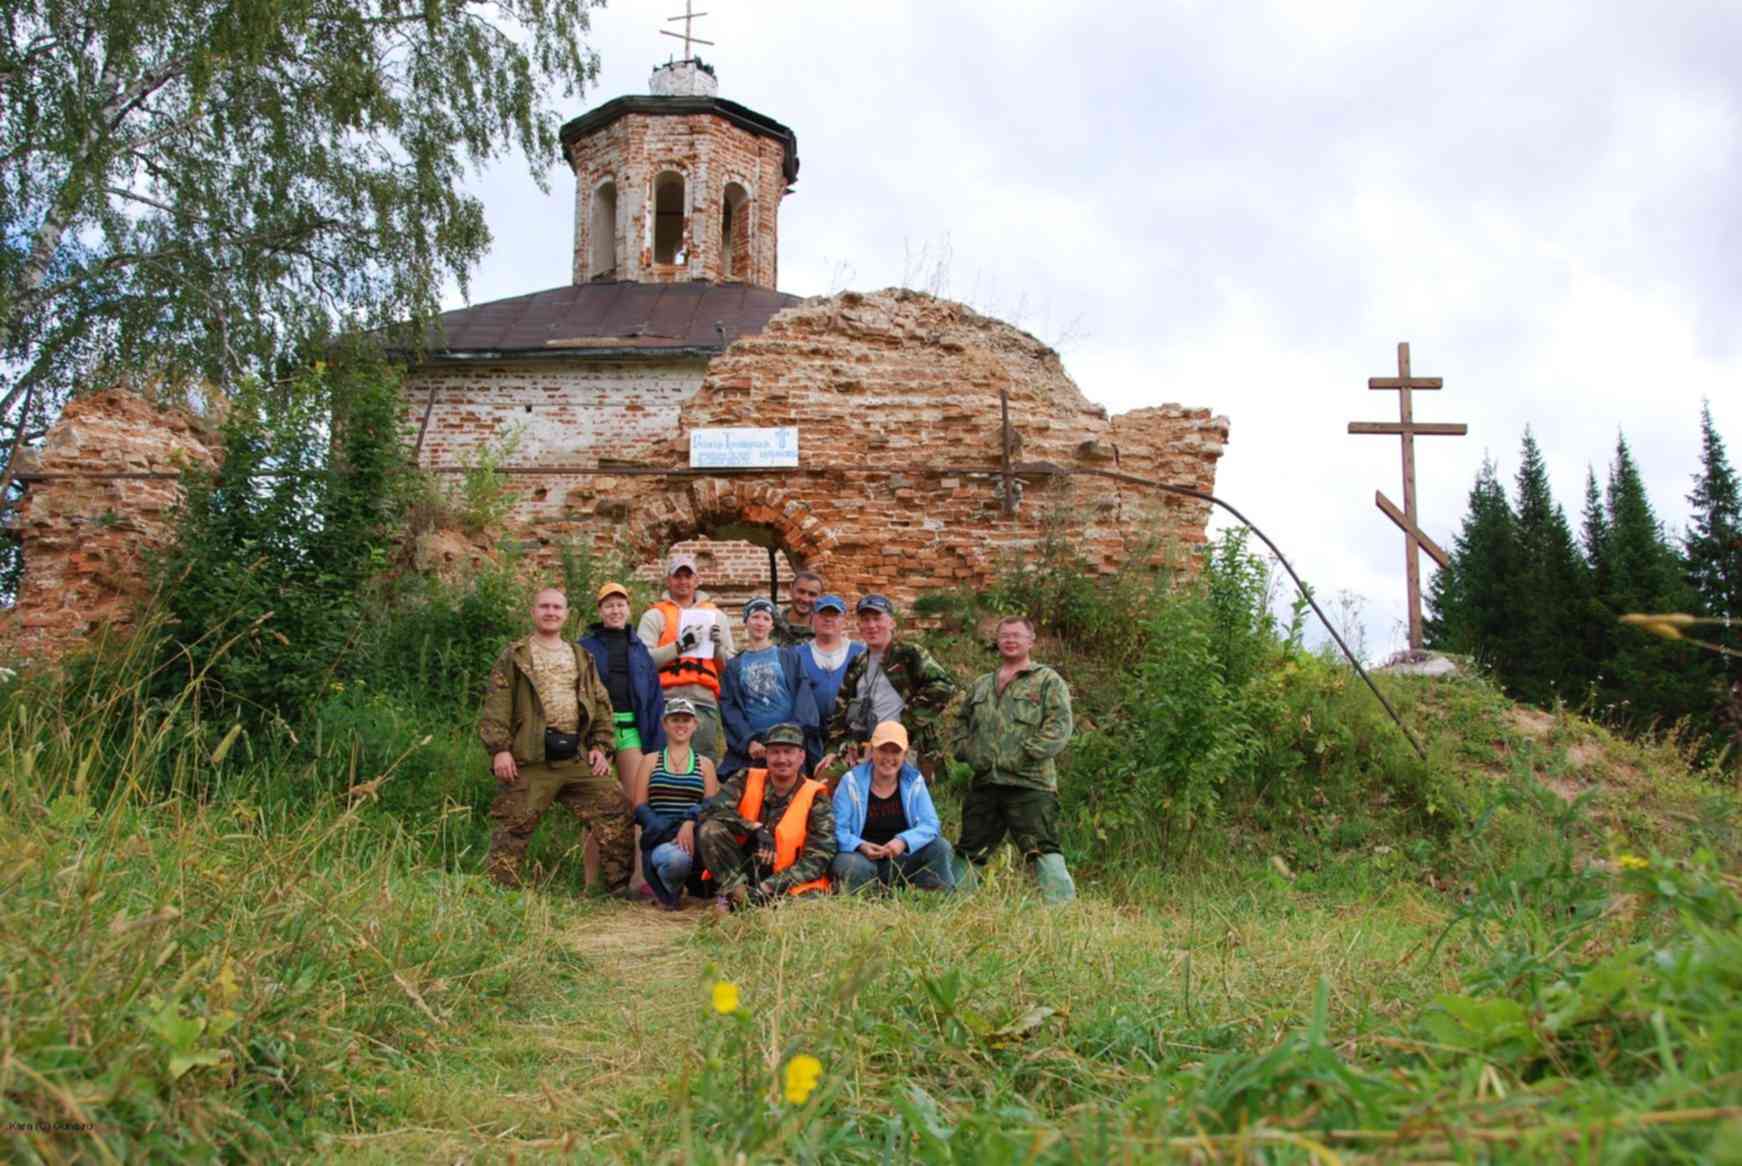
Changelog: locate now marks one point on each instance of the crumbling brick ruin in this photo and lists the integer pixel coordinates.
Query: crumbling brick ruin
(896, 397)
(101, 495)
(672, 324)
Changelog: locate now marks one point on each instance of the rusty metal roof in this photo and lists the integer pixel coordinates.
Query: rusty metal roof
(614, 319)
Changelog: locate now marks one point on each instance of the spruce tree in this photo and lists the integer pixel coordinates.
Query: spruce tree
(1546, 635)
(1598, 625)
(1469, 598)
(1593, 527)
(1648, 680)
(1714, 538)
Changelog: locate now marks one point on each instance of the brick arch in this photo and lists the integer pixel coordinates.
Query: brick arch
(691, 507)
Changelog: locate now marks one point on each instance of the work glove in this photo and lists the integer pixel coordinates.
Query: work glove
(762, 892)
(764, 840)
(687, 642)
(717, 637)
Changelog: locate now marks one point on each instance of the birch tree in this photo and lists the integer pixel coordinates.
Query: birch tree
(194, 188)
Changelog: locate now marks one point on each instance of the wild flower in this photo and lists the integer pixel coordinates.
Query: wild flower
(802, 1074)
(1633, 862)
(725, 997)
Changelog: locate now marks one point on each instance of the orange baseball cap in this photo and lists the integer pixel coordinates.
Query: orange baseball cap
(889, 733)
(610, 589)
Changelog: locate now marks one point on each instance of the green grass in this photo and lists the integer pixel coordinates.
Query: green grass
(231, 978)
(1295, 940)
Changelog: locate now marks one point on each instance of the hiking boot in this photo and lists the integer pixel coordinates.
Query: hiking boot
(967, 875)
(1056, 885)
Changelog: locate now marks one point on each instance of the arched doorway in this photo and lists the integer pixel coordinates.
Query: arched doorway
(747, 536)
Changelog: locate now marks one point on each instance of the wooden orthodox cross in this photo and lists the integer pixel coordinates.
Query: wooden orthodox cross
(1407, 427)
(686, 35)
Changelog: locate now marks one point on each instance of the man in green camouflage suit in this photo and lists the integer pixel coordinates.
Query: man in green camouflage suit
(1014, 722)
(740, 845)
(892, 680)
(547, 727)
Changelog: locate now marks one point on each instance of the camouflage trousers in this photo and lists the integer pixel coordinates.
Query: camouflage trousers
(732, 862)
(1029, 816)
(597, 801)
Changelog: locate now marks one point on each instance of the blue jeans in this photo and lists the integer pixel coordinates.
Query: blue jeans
(927, 868)
(673, 865)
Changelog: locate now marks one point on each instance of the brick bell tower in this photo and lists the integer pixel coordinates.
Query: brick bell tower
(679, 185)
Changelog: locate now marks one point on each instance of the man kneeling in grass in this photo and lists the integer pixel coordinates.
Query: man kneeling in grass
(769, 833)
(885, 823)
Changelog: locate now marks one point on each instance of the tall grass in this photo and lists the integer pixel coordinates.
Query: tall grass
(188, 974)
(253, 942)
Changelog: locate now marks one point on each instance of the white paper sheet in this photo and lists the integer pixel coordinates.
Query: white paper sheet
(702, 619)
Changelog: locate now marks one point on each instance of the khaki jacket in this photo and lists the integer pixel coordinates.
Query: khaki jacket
(513, 717)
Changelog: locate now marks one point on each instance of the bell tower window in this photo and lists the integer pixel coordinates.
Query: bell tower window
(603, 231)
(735, 233)
(668, 217)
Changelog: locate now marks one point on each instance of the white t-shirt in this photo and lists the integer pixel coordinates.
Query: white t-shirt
(830, 660)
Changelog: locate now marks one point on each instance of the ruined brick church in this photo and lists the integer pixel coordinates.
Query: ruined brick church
(672, 324)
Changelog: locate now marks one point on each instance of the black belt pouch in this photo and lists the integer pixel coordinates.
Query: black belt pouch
(560, 746)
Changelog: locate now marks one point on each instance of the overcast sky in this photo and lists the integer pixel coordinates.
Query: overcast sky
(1246, 206)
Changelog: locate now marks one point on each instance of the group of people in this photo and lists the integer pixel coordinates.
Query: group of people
(787, 766)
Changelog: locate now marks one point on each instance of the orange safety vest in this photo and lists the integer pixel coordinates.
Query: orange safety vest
(791, 830)
(685, 669)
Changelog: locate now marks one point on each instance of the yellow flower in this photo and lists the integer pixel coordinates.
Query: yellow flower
(725, 997)
(1633, 862)
(802, 1074)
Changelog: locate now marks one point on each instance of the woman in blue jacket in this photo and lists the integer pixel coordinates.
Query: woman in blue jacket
(886, 827)
(626, 667)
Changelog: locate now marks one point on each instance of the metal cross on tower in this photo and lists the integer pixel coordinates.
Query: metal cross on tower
(1407, 427)
(687, 36)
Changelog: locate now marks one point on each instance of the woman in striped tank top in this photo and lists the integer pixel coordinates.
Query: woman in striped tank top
(669, 790)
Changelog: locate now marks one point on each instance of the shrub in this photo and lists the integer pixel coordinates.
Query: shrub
(262, 590)
(433, 643)
(1218, 715)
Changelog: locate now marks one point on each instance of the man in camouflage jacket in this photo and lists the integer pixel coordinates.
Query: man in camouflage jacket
(546, 724)
(892, 680)
(1015, 721)
(741, 853)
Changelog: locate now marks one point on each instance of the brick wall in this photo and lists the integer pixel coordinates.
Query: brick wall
(882, 387)
(578, 414)
(561, 413)
(85, 538)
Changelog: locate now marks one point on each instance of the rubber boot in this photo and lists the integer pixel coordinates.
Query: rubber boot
(1055, 881)
(967, 875)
